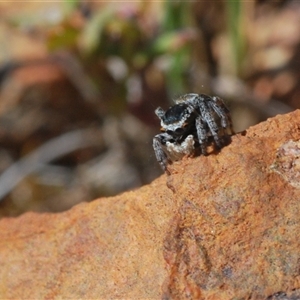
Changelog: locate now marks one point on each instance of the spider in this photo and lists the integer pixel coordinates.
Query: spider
(189, 126)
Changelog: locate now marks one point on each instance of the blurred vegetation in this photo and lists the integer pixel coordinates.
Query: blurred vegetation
(80, 80)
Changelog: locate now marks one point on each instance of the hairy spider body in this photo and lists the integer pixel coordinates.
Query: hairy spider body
(191, 124)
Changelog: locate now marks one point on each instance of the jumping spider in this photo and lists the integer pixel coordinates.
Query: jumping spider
(190, 126)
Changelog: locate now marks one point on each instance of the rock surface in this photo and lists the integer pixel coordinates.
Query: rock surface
(224, 226)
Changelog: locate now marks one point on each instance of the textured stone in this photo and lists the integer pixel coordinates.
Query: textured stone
(223, 226)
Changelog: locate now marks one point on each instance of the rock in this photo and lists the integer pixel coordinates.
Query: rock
(222, 226)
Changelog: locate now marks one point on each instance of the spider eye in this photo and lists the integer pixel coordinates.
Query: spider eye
(179, 130)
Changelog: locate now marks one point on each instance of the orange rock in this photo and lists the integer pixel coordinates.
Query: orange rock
(230, 229)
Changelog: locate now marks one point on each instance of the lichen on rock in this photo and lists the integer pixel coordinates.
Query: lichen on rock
(287, 162)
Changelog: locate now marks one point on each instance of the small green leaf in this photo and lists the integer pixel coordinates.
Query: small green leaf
(70, 5)
(165, 42)
(92, 33)
(66, 38)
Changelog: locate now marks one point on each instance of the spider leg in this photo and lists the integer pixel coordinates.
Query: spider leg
(207, 116)
(223, 112)
(202, 134)
(161, 156)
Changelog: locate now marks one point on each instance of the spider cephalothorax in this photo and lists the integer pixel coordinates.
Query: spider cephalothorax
(191, 124)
